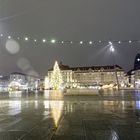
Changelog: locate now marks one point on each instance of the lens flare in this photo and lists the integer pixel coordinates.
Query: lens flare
(12, 46)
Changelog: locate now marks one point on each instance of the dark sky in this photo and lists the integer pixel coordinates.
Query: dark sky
(68, 20)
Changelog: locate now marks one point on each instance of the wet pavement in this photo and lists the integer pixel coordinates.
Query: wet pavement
(112, 115)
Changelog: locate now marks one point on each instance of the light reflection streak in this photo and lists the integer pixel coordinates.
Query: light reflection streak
(14, 107)
(56, 94)
(114, 135)
(56, 106)
(46, 105)
(138, 105)
(68, 108)
(36, 104)
(56, 110)
(15, 94)
(46, 94)
(27, 104)
(109, 103)
(53, 104)
(123, 105)
(36, 95)
(120, 104)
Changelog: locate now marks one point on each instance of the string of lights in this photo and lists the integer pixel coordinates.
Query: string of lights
(68, 42)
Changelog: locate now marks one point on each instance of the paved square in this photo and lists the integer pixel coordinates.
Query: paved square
(40, 116)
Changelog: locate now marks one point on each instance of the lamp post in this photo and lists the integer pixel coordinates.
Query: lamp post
(112, 50)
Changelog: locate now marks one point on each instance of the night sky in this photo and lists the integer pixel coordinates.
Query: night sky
(68, 20)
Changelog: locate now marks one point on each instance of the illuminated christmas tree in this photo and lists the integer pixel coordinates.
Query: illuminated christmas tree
(56, 77)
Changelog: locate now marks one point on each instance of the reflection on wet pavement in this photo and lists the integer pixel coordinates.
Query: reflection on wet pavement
(50, 115)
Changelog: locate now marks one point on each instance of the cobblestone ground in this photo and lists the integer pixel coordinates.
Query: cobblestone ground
(112, 115)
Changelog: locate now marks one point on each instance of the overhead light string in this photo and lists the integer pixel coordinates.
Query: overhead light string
(67, 42)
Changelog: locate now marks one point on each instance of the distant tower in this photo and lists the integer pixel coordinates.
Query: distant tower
(137, 62)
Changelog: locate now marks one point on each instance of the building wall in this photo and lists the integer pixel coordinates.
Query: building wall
(17, 77)
(98, 77)
(74, 78)
(23, 79)
(137, 78)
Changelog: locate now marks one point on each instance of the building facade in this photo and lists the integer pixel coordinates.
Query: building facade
(78, 77)
(134, 74)
(4, 82)
(137, 78)
(20, 81)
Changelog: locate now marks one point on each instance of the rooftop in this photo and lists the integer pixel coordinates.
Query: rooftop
(107, 67)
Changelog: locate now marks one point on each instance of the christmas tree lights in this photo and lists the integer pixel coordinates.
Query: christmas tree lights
(56, 77)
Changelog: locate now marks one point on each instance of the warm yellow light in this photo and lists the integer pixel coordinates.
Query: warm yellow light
(56, 94)
(46, 82)
(107, 86)
(56, 77)
(56, 110)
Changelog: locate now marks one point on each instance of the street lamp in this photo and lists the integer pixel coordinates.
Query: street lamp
(112, 50)
(9, 37)
(53, 41)
(44, 40)
(90, 42)
(26, 38)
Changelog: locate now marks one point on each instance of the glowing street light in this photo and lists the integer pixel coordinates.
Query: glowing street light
(43, 40)
(26, 38)
(110, 43)
(35, 40)
(1, 35)
(9, 37)
(90, 42)
(81, 42)
(53, 41)
(112, 48)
